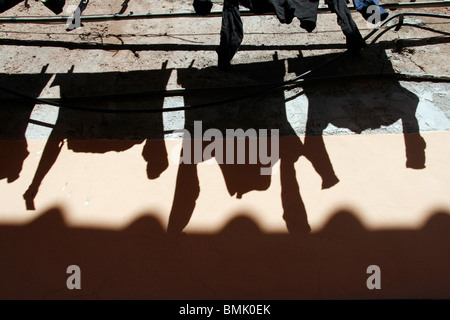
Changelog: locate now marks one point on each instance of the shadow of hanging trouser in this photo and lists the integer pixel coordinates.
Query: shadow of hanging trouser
(187, 190)
(17, 116)
(51, 151)
(155, 154)
(415, 145)
(294, 210)
(11, 162)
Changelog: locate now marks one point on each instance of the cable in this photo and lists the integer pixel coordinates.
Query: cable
(267, 87)
(401, 15)
(302, 82)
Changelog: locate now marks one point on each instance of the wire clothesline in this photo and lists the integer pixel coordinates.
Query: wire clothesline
(262, 88)
(212, 14)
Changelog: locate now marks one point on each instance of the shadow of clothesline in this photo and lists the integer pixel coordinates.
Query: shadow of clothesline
(207, 47)
(239, 262)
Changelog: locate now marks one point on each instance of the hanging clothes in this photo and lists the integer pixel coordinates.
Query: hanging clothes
(231, 33)
(56, 6)
(8, 4)
(353, 37)
(286, 10)
(202, 7)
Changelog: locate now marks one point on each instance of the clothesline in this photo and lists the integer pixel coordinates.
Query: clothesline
(244, 12)
(263, 88)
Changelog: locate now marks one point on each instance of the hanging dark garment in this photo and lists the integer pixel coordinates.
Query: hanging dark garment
(231, 33)
(56, 6)
(202, 7)
(344, 19)
(287, 10)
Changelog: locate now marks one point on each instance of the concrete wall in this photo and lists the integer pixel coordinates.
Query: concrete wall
(362, 163)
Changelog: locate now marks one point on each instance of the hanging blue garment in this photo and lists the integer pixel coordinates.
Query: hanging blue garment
(363, 7)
